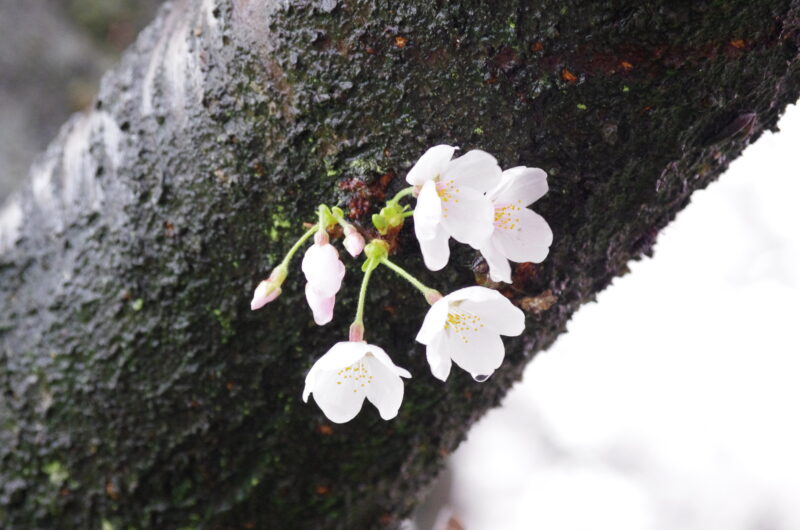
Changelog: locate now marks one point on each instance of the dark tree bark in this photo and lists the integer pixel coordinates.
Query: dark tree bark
(139, 391)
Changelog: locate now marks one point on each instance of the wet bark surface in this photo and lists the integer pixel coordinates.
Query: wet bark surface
(139, 390)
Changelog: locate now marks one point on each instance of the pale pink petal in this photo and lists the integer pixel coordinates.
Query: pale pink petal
(480, 355)
(498, 315)
(383, 387)
(265, 293)
(438, 358)
(323, 269)
(342, 354)
(476, 169)
(321, 306)
(526, 237)
(340, 399)
(473, 292)
(382, 357)
(436, 251)
(434, 322)
(499, 268)
(467, 215)
(430, 165)
(521, 186)
(427, 212)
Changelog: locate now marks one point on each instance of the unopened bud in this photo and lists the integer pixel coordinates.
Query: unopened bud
(377, 250)
(353, 241)
(269, 289)
(380, 223)
(266, 292)
(393, 215)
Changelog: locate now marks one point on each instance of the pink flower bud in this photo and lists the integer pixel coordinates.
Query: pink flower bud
(324, 272)
(265, 293)
(269, 289)
(353, 241)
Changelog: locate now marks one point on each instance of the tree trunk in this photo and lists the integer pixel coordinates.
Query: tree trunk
(139, 390)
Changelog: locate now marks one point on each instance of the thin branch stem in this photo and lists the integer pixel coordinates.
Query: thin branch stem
(296, 247)
(400, 194)
(362, 295)
(424, 289)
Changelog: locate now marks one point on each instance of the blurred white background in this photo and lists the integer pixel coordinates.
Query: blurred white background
(673, 402)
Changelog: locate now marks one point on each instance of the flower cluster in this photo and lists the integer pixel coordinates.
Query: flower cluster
(471, 200)
(468, 198)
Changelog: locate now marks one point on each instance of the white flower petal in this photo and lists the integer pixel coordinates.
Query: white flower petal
(339, 399)
(499, 268)
(323, 269)
(476, 169)
(311, 378)
(383, 358)
(528, 240)
(475, 293)
(495, 310)
(467, 215)
(321, 306)
(341, 355)
(430, 165)
(479, 352)
(438, 358)
(433, 324)
(384, 389)
(520, 185)
(436, 251)
(349, 372)
(499, 315)
(427, 212)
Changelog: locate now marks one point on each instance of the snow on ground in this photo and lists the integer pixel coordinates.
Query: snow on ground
(673, 402)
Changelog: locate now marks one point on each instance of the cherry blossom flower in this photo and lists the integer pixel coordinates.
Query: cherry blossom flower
(353, 240)
(350, 372)
(519, 233)
(269, 289)
(451, 200)
(324, 272)
(465, 327)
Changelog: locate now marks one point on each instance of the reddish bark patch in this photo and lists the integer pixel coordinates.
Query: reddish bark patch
(539, 304)
(568, 76)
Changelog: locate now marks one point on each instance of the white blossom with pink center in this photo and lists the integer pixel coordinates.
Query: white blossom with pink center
(465, 327)
(451, 200)
(350, 372)
(519, 234)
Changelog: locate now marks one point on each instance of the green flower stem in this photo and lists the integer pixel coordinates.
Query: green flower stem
(362, 294)
(400, 194)
(296, 247)
(408, 214)
(426, 291)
